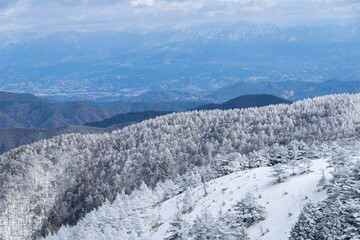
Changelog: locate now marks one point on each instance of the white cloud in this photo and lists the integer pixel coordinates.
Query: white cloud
(141, 2)
(95, 15)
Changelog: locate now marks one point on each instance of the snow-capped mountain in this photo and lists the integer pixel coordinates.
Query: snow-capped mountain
(56, 182)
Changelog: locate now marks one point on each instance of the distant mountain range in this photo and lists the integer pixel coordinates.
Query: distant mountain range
(290, 90)
(123, 118)
(12, 137)
(246, 101)
(164, 96)
(197, 59)
(31, 118)
(172, 100)
(27, 110)
(159, 104)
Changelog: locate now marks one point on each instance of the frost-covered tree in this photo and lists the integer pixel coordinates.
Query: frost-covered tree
(338, 216)
(305, 165)
(192, 179)
(179, 229)
(204, 227)
(280, 172)
(229, 229)
(187, 202)
(223, 165)
(278, 154)
(323, 181)
(166, 190)
(79, 172)
(138, 224)
(307, 225)
(248, 211)
(257, 159)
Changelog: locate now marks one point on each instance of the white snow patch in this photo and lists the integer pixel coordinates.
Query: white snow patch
(283, 201)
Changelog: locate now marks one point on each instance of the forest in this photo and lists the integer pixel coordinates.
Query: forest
(58, 181)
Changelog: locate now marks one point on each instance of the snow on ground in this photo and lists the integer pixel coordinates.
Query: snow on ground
(283, 201)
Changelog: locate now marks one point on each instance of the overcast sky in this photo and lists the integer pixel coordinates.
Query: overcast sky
(99, 15)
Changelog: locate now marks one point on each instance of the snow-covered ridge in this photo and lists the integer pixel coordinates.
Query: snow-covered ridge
(283, 203)
(145, 215)
(58, 181)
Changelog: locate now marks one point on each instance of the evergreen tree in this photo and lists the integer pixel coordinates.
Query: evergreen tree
(257, 159)
(224, 165)
(187, 202)
(178, 229)
(229, 229)
(248, 212)
(204, 227)
(308, 223)
(279, 172)
(278, 154)
(337, 217)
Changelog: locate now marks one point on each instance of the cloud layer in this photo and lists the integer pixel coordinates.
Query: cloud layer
(99, 15)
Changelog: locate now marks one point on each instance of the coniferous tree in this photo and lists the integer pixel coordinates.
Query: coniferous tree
(248, 211)
(187, 202)
(338, 216)
(229, 229)
(307, 225)
(278, 154)
(280, 172)
(204, 227)
(178, 229)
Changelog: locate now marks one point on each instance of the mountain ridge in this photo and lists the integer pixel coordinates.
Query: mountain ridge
(290, 90)
(27, 110)
(92, 167)
(245, 101)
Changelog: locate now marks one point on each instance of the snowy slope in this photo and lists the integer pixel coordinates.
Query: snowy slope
(60, 180)
(283, 203)
(280, 200)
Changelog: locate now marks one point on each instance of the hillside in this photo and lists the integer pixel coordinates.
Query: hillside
(290, 90)
(279, 201)
(164, 96)
(147, 214)
(58, 181)
(167, 106)
(26, 110)
(123, 118)
(11, 138)
(245, 101)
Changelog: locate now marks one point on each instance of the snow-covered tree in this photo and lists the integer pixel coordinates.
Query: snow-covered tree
(79, 172)
(257, 159)
(280, 172)
(229, 229)
(223, 165)
(307, 225)
(204, 227)
(166, 190)
(187, 202)
(248, 211)
(278, 154)
(338, 216)
(179, 229)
